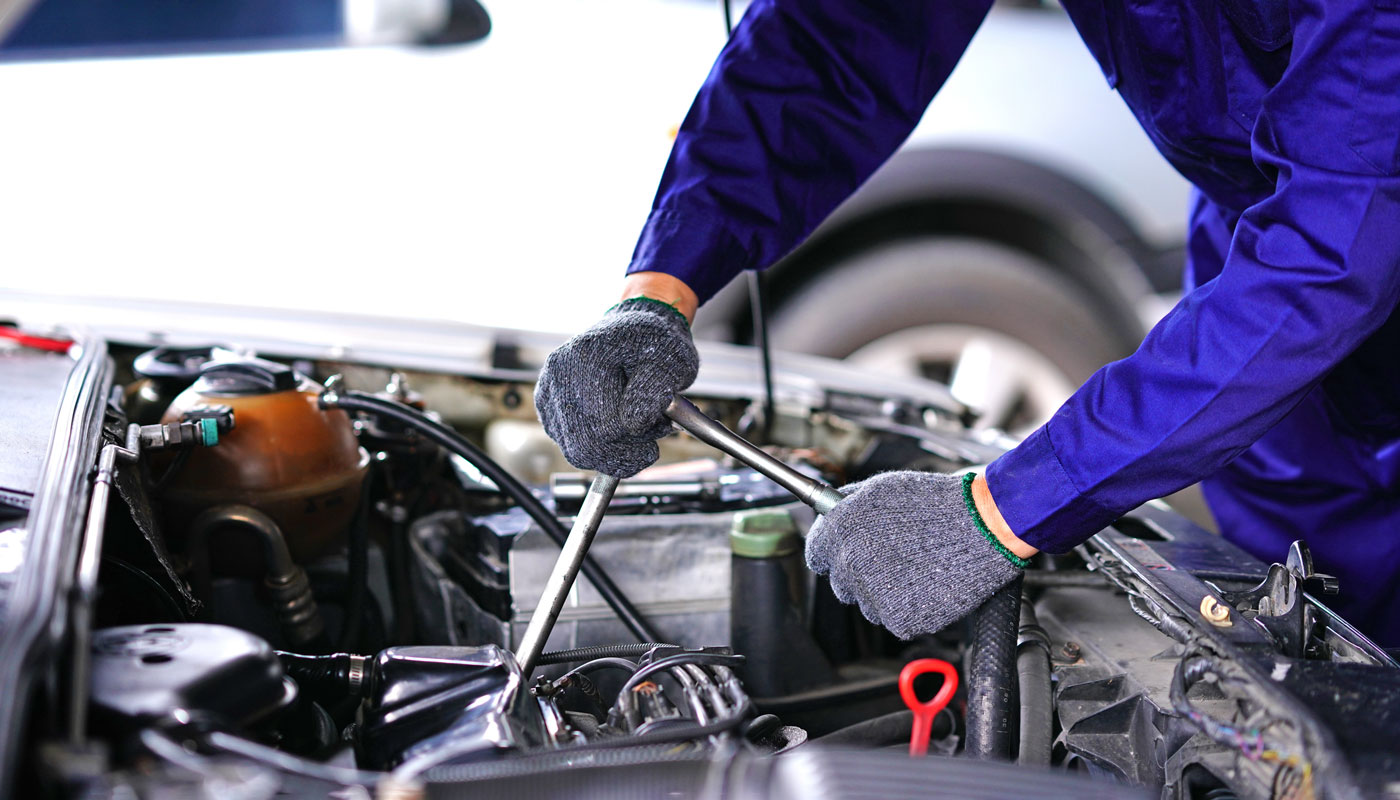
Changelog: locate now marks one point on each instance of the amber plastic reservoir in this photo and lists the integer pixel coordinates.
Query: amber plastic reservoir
(286, 457)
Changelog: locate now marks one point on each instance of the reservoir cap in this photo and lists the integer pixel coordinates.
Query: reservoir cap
(763, 533)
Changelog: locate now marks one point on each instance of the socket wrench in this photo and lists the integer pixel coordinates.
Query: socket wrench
(817, 494)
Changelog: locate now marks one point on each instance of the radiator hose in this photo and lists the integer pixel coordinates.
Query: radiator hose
(991, 675)
(1036, 721)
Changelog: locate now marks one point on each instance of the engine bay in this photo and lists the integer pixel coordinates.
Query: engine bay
(310, 577)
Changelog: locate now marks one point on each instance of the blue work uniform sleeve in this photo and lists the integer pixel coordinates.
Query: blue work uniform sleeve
(1312, 271)
(806, 100)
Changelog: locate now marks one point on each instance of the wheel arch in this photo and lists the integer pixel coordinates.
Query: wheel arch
(984, 195)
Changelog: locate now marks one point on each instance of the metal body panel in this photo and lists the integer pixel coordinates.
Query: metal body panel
(32, 384)
(36, 615)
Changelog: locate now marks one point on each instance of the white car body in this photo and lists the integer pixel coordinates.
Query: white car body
(441, 181)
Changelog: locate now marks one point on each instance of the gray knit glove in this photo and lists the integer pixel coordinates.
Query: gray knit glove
(602, 395)
(910, 549)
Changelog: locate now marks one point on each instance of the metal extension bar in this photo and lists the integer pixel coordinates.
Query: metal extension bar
(561, 580)
(817, 494)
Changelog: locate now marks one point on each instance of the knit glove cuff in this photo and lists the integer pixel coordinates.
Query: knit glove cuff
(971, 505)
(643, 303)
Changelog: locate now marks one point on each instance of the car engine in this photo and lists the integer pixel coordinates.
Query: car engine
(311, 575)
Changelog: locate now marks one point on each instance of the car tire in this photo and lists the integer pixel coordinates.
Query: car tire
(905, 306)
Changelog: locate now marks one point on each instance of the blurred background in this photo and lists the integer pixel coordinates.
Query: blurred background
(435, 159)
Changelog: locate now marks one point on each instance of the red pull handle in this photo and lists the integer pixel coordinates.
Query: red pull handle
(925, 712)
(37, 342)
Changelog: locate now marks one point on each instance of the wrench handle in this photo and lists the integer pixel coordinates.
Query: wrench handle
(817, 494)
(566, 569)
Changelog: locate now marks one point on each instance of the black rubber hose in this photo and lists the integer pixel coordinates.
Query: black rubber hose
(991, 689)
(400, 584)
(173, 606)
(357, 587)
(176, 464)
(456, 443)
(830, 696)
(759, 303)
(1037, 701)
(603, 651)
(887, 730)
(333, 587)
(335, 676)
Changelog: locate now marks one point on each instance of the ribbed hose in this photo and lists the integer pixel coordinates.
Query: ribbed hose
(1037, 702)
(334, 676)
(458, 444)
(602, 651)
(991, 685)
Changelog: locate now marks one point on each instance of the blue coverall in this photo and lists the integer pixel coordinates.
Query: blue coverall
(1275, 378)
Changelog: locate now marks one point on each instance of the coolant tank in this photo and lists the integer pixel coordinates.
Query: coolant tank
(286, 456)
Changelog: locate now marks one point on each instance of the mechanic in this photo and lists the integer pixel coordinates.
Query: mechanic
(1274, 380)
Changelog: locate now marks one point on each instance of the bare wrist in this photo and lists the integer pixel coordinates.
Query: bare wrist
(666, 288)
(987, 508)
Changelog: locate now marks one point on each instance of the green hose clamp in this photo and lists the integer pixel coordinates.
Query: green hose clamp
(208, 432)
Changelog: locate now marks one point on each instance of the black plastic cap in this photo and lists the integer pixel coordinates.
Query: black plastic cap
(250, 376)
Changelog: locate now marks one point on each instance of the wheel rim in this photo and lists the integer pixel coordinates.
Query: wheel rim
(1009, 384)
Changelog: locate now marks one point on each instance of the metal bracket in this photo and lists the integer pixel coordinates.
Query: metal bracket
(1300, 563)
(1278, 605)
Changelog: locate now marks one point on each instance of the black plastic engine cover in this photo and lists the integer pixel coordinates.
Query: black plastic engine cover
(145, 672)
(447, 704)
